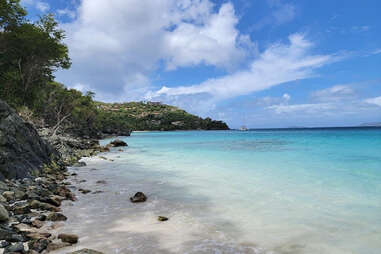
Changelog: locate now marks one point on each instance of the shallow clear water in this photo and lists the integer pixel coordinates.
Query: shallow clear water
(276, 191)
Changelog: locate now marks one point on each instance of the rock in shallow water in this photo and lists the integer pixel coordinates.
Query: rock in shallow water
(138, 197)
(118, 143)
(86, 251)
(162, 218)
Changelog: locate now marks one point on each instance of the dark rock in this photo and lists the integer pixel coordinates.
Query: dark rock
(4, 244)
(162, 218)
(10, 236)
(21, 209)
(86, 251)
(54, 200)
(35, 204)
(97, 192)
(138, 197)
(84, 191)
(16, 248)
(74, 174)
(39, 245)
(22, 152)
(41, 217)
(68, 238)
(56, 217)
(101, 182)
(118, 143)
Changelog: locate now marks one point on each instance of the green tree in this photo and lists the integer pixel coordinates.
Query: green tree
(30, 53)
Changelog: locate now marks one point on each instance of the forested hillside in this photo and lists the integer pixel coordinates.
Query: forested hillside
(153, 116)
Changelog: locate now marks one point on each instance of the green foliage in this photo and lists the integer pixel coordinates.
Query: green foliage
(152, 116)
(29, 54)
(11, 13)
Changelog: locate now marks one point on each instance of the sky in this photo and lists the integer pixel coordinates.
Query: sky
(258, 63)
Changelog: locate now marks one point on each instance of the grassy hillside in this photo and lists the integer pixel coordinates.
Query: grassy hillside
(151, 116)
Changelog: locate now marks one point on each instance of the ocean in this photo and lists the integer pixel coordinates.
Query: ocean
(262, 191)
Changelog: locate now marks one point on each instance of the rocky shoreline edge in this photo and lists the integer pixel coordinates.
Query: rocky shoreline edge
(30, 207)
(34, 183)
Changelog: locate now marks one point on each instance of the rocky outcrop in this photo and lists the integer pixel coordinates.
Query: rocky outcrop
(22, 152)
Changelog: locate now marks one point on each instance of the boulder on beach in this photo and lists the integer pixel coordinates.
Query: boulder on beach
(68, 238)
(118, 143)
(138, 197)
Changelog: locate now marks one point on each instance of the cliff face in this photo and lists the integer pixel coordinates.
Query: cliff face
(22, 152)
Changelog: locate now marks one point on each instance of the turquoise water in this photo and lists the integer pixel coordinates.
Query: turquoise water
(275, 191)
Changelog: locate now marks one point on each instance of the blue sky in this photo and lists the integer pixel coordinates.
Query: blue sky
(260, 63)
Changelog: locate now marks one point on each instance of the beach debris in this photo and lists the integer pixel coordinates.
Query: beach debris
(118, 143)
(68, 238)
(138, 197)
(103, 158)
(97, 192)
(86, 251)
(162, 218)
(101, 182)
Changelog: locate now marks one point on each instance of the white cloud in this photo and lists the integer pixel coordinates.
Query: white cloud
(66, 12)
(278, 64)
(39, 5)
(334, 93)
(305, 108)
(375, 101)
(42, 6)
(281, 13)
(110, 44)
(286, 97)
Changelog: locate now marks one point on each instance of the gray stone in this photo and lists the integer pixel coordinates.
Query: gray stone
(4, 216)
